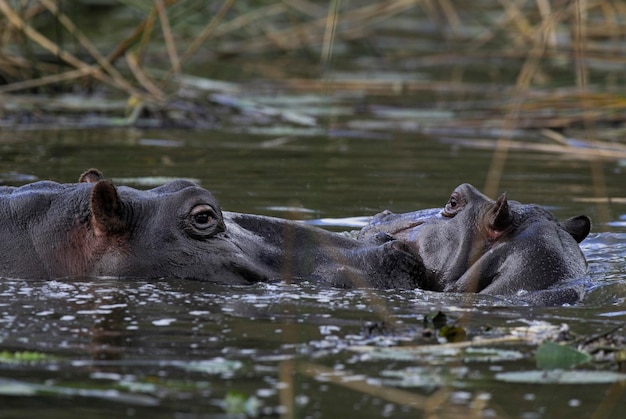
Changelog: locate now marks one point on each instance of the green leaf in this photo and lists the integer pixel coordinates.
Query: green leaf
(24, 356)
(238, 403)
(551, 355)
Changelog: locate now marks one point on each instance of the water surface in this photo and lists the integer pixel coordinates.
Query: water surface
(167, 347)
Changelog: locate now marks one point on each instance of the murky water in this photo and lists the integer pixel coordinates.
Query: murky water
(103, 347)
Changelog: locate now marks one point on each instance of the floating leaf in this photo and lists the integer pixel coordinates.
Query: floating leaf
(428, 378)
(16, 388)
(238, 403)
(466, 351)
(214, 366)
(561, 377)
(491, 355)
(24, 356)
(404, 353)
(551, 355)
(22, 388)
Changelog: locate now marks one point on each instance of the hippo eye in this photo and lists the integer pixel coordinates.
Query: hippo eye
(452, 207)
(204, 221)
(203, 216)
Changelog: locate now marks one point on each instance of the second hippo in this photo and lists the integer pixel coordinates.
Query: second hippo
(497, 247)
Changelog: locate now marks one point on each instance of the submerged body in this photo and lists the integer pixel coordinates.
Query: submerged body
(501, 247)
(93, 228)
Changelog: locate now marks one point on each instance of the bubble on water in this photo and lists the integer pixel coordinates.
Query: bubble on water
(97, 311)
(265, 392)
(106, 376)
(388, 410)
(163, 322)
(328, 329)
(460, 397)
(199, 312)
(113, 306)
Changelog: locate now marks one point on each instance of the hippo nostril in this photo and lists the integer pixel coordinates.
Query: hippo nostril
(400, 246)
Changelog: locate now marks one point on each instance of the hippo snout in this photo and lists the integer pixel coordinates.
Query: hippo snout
(399, 225)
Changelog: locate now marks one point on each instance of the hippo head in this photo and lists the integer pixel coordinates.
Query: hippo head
(175, 230)
(476, 244)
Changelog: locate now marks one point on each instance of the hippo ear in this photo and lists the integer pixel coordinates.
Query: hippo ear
(500, 214)
(91, 176)
(579, 227)
(107, 210)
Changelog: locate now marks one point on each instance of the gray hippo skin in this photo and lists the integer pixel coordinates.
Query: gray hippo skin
(502, 247)
(93, 228)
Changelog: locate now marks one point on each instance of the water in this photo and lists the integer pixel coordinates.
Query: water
(169, 348)
(324, 176)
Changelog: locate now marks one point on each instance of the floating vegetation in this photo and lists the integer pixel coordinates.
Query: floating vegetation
(551, 355)
(22, 388)
(220, 366)
(23, 357)
(240, 404)
(581, 377)
(480, 350)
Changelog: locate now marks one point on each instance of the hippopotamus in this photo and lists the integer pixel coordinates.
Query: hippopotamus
(95, 228)
(498, 247)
